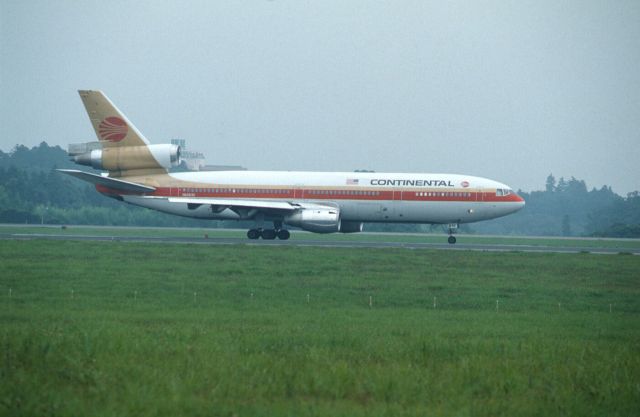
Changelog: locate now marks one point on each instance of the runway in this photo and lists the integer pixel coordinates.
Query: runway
(327, 243)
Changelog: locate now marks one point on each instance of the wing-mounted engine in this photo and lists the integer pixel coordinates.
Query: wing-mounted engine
(318, 220)
(124, 158)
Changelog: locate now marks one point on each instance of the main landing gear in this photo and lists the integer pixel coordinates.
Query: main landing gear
(269, 234)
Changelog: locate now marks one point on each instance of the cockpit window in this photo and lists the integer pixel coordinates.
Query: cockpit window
(503, 192)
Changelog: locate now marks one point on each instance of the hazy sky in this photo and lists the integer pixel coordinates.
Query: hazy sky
(510, 90)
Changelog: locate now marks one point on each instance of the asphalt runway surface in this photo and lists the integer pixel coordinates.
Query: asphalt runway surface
(332, 243)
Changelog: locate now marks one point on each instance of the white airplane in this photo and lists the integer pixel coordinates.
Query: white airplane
(321, 202)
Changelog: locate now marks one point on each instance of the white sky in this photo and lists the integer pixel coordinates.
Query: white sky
(509, 90)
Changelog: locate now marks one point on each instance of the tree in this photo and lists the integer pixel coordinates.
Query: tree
(551, 184)
(562, 185)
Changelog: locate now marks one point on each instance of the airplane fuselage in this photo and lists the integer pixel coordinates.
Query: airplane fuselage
(360, 197)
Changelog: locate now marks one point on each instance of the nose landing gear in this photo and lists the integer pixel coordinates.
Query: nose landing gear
(453, 227)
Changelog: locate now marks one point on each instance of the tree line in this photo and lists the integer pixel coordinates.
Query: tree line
(31, 191)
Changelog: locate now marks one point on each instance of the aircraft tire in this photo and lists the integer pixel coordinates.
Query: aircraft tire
(268, 234)
(283, 234)
(452, 240)
(253, 234)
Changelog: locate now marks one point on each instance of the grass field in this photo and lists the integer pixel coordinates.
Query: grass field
(440, 238)
(112, 328)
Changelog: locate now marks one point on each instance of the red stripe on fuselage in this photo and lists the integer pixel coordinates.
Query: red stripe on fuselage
(328, 194)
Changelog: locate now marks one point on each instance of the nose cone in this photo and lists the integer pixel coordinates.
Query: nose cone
(521, 201)
(518, 203)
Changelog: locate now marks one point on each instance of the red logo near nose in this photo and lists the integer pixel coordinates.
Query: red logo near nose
(465, 184)
(113, 129)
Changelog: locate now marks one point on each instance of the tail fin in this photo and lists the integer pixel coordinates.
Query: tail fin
(112, 127)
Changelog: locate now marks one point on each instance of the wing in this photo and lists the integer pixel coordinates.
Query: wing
(247, 208)
(232, 202)
(108, 182)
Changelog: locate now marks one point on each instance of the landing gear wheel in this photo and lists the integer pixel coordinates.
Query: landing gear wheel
(452, 240)
(283, 234)
(253, 233)
(268, 234)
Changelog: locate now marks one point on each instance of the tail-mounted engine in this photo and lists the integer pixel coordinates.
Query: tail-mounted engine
(125, 157)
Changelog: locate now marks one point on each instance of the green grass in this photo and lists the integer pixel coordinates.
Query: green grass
(111, 328)
(621, 244)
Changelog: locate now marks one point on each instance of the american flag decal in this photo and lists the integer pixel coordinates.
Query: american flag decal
(352, 181)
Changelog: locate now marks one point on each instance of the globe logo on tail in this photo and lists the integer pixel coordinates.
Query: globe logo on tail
(113, 129)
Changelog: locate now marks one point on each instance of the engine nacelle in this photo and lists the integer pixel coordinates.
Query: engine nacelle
(318, 220)
(131, 157)
(350, 227)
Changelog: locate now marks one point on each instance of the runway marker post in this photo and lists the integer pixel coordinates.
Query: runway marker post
(497, 305)
(370, 301)
(434, 303)
(308, 298)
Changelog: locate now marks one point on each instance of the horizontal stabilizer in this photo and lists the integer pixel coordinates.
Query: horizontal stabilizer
(108, 182)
